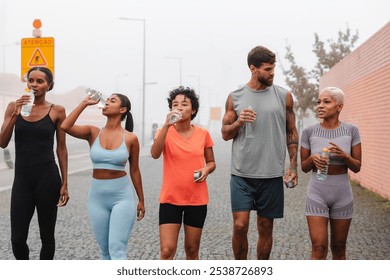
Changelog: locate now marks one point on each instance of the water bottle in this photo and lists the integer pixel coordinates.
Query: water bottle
(323, 173)
(97, 96)
(249, 127)
(26, 109)
(175, 117)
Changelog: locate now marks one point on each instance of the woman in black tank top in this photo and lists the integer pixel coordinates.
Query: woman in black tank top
(38, 183)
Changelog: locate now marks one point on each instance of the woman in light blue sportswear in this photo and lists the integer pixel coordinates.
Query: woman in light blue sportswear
(112, 204)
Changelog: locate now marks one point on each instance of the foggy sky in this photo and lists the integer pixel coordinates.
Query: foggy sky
(94, 48)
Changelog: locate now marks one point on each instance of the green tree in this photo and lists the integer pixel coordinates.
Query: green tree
(304, 84)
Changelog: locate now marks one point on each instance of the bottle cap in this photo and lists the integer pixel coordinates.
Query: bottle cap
(325, 150)
(27, 89)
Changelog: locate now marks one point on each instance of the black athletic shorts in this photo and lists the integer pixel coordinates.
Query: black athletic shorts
(193, 216)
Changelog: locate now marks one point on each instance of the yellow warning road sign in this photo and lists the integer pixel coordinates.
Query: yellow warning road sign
(37, 59)
(37, 52)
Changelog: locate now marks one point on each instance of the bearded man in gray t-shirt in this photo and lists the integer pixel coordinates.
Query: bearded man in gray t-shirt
(260, 120)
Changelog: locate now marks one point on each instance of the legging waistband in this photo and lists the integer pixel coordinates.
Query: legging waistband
(111, 184)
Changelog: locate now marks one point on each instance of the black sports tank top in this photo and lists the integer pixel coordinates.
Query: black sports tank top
(34, 141)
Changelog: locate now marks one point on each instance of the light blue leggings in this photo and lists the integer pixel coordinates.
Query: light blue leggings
(112, 211)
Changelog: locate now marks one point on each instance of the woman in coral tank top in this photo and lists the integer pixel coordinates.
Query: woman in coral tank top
(188, 160)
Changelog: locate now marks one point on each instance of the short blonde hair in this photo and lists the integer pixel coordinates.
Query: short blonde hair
(336, 93)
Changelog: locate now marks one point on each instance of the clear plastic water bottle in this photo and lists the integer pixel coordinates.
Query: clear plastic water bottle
(26, 109)
(175, 117)
(97, 96)
(249, 127)
(323, 173)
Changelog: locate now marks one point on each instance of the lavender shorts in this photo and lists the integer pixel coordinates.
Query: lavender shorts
(331, 198)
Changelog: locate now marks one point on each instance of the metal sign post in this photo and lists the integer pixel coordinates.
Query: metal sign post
(37, 51)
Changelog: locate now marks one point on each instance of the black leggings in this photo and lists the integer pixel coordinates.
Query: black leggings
(34, 186)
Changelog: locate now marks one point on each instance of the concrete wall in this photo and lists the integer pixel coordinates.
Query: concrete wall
(364, 76)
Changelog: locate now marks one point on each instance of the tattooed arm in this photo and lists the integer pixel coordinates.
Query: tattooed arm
(292, 139)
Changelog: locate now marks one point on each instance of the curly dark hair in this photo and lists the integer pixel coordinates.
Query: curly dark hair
(187, 92)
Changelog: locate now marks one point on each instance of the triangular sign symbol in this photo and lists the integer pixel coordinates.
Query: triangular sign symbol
(37, 59)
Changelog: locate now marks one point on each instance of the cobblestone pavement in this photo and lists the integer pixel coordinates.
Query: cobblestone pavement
(369, 237)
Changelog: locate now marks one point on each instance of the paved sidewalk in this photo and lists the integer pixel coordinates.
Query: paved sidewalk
(369, 237)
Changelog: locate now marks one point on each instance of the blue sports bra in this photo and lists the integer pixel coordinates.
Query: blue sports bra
(115, 159)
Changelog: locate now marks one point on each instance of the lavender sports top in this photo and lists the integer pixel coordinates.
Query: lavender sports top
(315, 138)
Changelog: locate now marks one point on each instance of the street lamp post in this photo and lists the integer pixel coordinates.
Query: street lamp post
(4, 46)
(177, 58)
(7, 156)
(143, 76)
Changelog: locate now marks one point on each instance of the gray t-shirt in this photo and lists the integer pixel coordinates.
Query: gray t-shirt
(262, 156)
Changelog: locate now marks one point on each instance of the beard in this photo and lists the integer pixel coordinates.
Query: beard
(266, 82)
